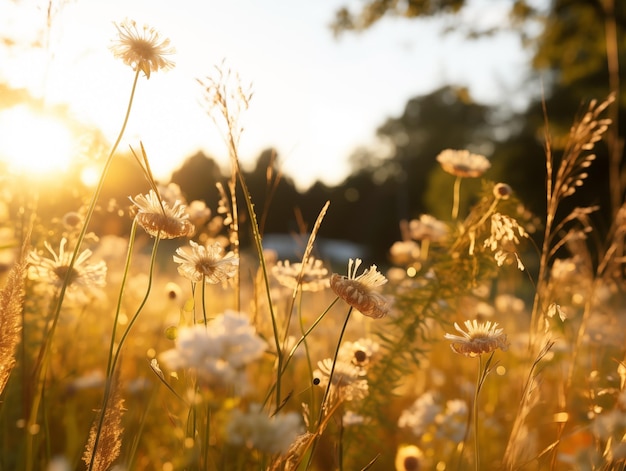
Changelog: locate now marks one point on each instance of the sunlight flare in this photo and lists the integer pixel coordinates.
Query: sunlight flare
(34, 143)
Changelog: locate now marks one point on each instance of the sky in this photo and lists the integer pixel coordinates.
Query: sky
(316, 97)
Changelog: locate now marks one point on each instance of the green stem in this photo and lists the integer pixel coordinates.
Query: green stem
(307, 353)
(475, 413)
(283, 366)
(203, 295)
(118, 309)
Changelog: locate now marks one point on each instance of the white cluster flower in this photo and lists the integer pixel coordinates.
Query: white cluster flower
(428, 413)
(421, 414)
(217, 352)
(256, 429)
(198, 213)
(405, 252)
(452, 422)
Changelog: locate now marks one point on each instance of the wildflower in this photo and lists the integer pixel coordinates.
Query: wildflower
(144, 50)
(421, 414)
(502, 191)
(72, 220)
(313, 276)
(505, 234)
(256, 429)
(480, 338)
(206, 263)
(452, 423)
(159, 219)
(90, 380)
(358, 291)
(358, 353)
(171, 193)
(405, 252)
(83, 276)
(172, 290)
(351, 418)
(59, 463)
(198, 212)
(429, 228)
(507, 303)
(409, 458)
(347, 381)
(462, 163)
(218, 352)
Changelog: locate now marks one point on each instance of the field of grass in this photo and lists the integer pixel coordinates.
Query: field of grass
(492, 340)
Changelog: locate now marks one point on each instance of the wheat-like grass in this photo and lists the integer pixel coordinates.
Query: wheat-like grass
(11, 303)
(562, 181)
(109, 437)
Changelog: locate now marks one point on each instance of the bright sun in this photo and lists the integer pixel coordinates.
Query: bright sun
(34, 143)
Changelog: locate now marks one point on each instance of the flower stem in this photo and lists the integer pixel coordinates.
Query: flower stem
(116, 357)
(475, 413)
(41, 369)
(483, 371)
(203, 295)
(456, 195)
(323, 406)
(131, 243)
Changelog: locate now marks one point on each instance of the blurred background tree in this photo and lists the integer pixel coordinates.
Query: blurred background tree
(578, 47)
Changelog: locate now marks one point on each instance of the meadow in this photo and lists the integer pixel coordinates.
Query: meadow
(490, 340)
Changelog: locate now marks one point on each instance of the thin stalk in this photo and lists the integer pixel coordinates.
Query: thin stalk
(306, 352)
(203, 294)
(295, 348)
(41, 369)
(328, 387)
(456, 196)
(207, 436)
(552, 203)
(614, 142)
(118, 309)
(475, 414)
(259, 247)
(145, 411)
(116, 357)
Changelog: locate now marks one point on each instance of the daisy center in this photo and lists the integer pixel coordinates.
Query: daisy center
(205, 267)
(62, 271)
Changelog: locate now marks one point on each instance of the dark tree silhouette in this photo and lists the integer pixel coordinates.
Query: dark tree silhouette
(197, 178)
